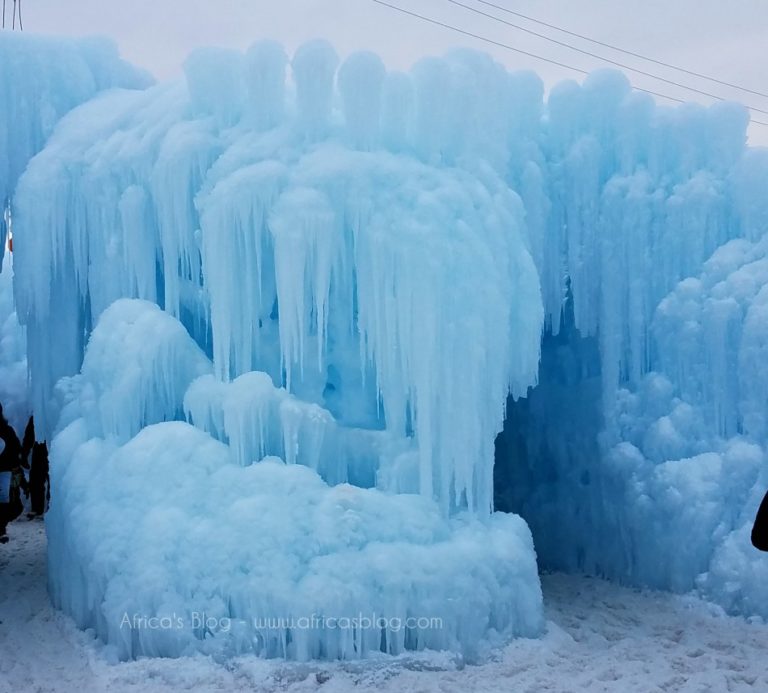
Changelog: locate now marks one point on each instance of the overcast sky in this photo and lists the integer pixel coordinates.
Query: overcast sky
(723, 38)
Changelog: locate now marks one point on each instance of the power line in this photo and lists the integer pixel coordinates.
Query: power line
(623, 50)
(437, 22)
(485, 39)
(623, 66)
(16, 9)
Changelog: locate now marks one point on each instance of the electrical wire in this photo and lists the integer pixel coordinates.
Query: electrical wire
(506, 46)
(613, 47)
(623, 66)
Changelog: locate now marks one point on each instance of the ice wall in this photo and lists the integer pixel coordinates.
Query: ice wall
(632, 199)
(640, 197)
(241, 196)
(41, 79)
(223, 197)
(356, 275)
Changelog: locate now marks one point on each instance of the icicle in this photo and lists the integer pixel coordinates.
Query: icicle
(314, 69)
(216, 83)
(306, 242)
(266, 64)
(361, 78)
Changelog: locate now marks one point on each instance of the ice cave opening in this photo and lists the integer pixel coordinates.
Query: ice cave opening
(548, 458)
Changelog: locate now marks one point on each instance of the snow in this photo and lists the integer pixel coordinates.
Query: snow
(600, 637)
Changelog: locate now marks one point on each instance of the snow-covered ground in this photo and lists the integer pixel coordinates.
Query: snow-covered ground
(600, 637)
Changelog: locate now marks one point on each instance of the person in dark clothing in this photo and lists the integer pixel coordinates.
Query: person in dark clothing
(760, 529)
(12, 451)
(39, 486)
(11, 463)
(5, 503)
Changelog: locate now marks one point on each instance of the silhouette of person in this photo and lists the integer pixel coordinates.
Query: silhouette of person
(13, 481)
(760, 529)
(39, 486)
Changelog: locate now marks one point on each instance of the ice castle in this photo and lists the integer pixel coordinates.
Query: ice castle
(297, 327)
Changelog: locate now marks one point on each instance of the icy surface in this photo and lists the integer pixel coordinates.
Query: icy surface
(258, 420)
(140, 362)
(270, 552)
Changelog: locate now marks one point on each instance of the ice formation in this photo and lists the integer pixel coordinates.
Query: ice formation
(329, 267)
(668, 497)
(270, 559)
(318, 291)
(41, 80)
(14, 395)
(235, 557)
(351, 270)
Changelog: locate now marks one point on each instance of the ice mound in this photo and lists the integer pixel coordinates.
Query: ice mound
(137, 368)
(163, 546)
